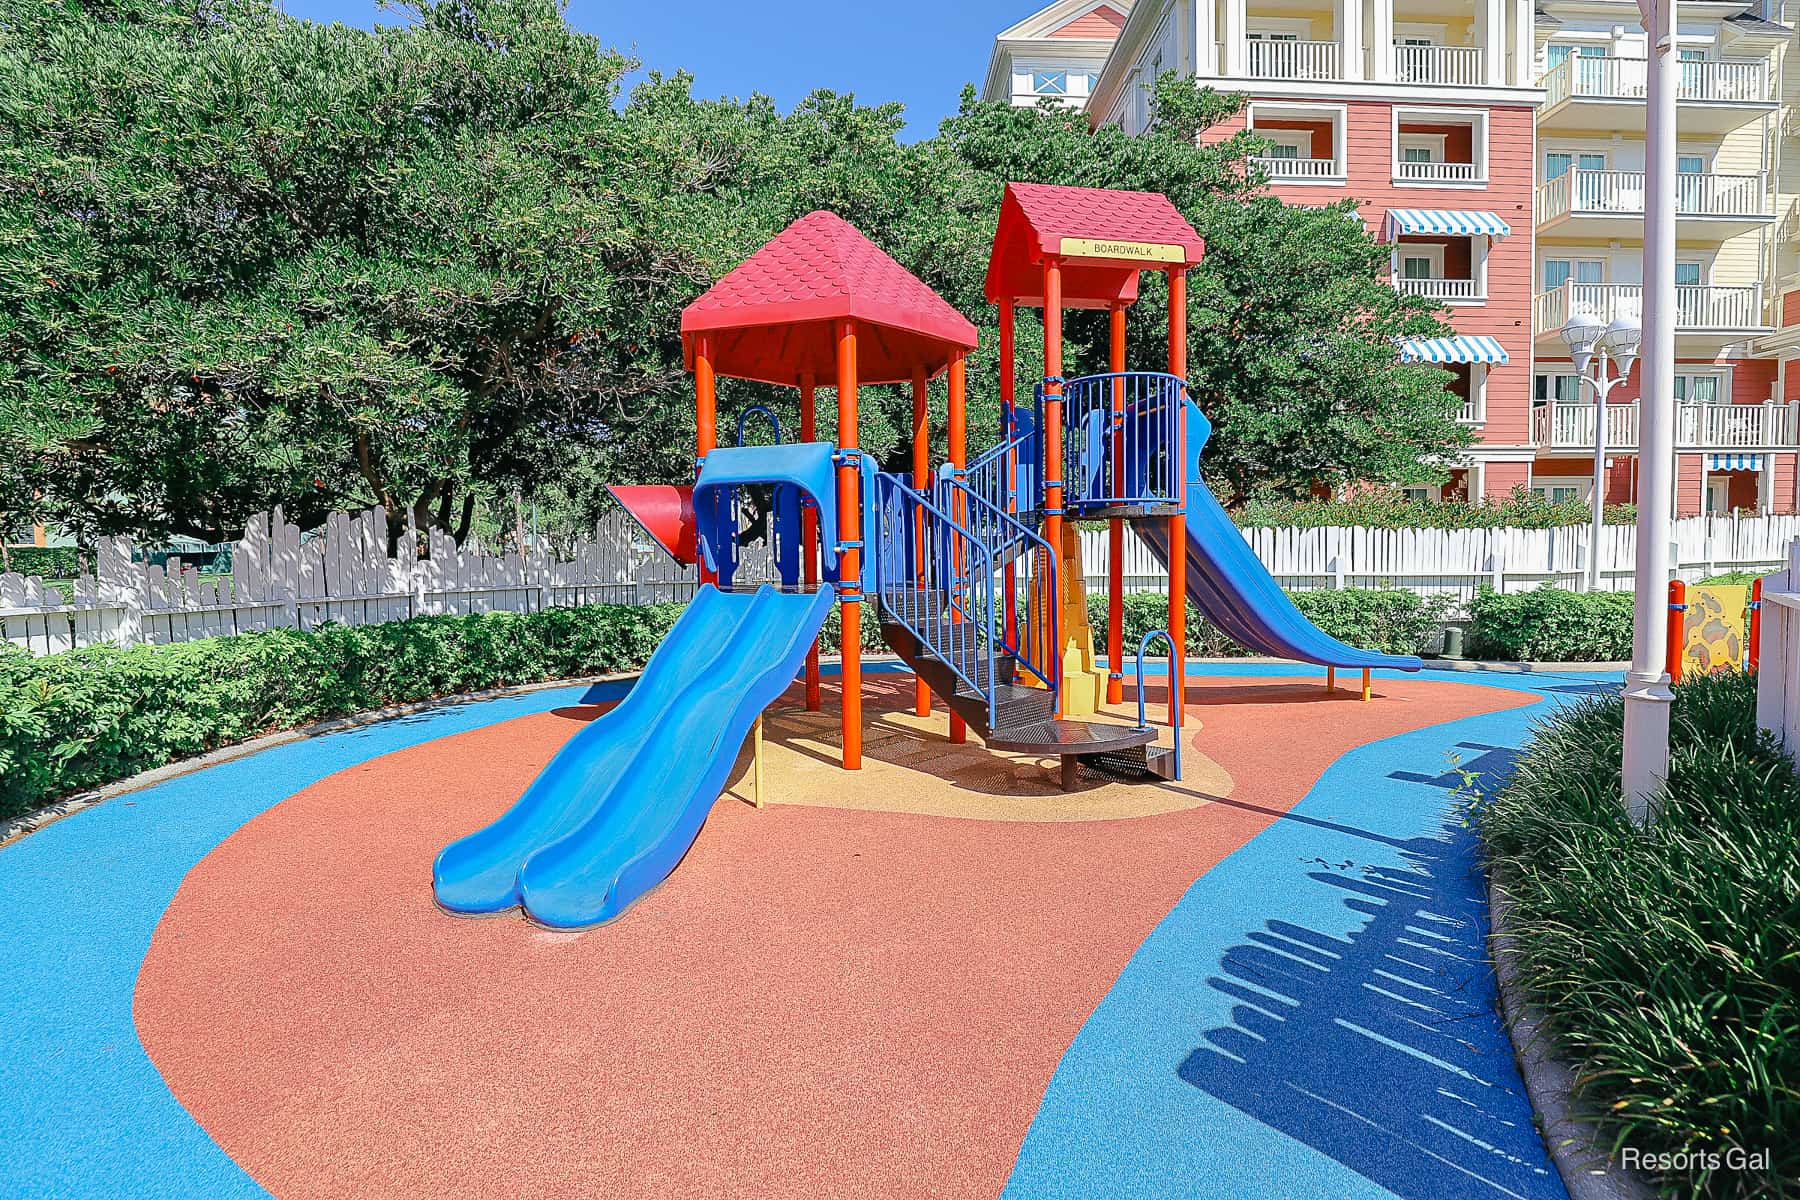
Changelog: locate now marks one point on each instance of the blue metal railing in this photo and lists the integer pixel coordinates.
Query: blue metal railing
(1122, 439)
(765, 410)
(1007, 476)
(1143, 721)
(1031, 638)
(936, 579)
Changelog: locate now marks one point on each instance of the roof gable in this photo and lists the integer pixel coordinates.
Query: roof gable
(1037, 218)
(1101, 24)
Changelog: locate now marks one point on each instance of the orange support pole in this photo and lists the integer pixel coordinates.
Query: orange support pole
(1754, 633)
(1178, 522)
(957, 421)
(1052, 434)
(706, 415)
(809, 535)
(921, 457)
(1677, 632)
(1007, 383)
(850, 551)
(1115, 528)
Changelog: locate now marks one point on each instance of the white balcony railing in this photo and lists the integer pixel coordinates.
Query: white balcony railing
(1621, 193)
(1455, 65)
(1740, 80)
(1570, 426)
(1438, 172)
(1440, 289)
(1698, 306)
(1299, 168)
(1295, 60)
(1468, 415)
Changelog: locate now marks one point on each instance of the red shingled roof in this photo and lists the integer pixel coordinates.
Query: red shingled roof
(1036, 217)
(771, 317)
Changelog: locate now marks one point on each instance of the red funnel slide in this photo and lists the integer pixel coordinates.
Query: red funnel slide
(665, 512)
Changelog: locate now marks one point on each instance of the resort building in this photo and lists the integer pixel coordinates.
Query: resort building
(1498, 147)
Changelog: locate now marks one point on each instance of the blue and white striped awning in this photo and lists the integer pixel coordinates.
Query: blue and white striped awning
(1735, 462)
(1467, 348)
(1445, 220)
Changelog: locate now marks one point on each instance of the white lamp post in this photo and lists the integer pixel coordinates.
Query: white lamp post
(1617, 345)
(1647, 694)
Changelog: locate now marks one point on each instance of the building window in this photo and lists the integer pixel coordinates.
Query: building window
(1050, 83)
(1688, 274)
(1558, 271)
(1559, 493)
(1564, 389)
(1418, 495)
(1697, 389)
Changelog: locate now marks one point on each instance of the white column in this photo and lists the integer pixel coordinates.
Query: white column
(1236, 21)
(1206, 37)
(1493, 42)
(1350, 36)
(1647, 694)
(1525, 41)
(1384, 40)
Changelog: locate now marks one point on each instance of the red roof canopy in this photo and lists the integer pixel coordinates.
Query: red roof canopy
(1142, 230)
(771, 317)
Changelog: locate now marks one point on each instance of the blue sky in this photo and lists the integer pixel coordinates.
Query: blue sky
(919, 53)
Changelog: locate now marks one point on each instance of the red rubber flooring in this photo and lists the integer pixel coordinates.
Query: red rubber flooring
(819, 1003)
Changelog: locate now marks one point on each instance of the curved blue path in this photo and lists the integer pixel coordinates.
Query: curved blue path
(1316, 1017)
(1264, 1041)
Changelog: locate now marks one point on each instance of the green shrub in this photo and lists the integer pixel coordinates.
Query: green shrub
(77, 720)
(1390, 510)
(1550, 625)
(1737, 578)
(1394, 622)
(1667, 958)
(48, 562)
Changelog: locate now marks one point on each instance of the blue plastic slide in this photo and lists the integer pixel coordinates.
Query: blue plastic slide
(1230, 585)
(621, 802)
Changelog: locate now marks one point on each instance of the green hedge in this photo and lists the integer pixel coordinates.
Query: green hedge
(77, 720)
(49, 562)
(1395, 622)
(1550, 625)
(1667, 958)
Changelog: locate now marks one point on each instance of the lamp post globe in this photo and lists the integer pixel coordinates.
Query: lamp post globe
(1580, 332)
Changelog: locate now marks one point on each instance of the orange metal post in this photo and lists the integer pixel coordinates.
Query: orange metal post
(957, 421)
(1052, 434)
(1178, 522)
(706, 414)
(921, 456)
(1010, 591)
(809, 536)
(1677, 623)
(850, 554)
(1115, 528)
(1755, 631)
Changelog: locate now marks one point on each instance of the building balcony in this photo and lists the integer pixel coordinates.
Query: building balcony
(1703, 308)
(1315, 169)
(1294, 60)
(1607, 205)
(1450, 290)
(1454, 66)
(1590, 92)
(1569, 425)
(1439, 172)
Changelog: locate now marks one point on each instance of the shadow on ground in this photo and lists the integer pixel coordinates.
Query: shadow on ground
(1379, 1048)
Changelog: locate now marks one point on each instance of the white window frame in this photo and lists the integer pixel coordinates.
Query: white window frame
(1432, 252)
(1551, 484)
(1337, 114)
(1554, 373)
(1475, 118)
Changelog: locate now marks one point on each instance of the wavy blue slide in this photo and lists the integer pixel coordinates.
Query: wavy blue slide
(621, 802)
(1232, 587)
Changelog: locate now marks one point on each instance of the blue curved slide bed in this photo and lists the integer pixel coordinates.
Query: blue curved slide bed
(1231, 586)
(621, 802)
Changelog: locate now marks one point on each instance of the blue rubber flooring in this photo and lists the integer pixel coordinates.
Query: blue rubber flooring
(1316, 1017)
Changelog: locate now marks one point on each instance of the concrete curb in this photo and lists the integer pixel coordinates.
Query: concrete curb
(1567, 1126)
(17, 827)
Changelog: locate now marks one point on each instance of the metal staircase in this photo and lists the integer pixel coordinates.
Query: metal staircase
(943, 607)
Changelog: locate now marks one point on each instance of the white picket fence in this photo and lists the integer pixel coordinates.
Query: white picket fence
(281, 579)
(343, 573)
(1456, 563)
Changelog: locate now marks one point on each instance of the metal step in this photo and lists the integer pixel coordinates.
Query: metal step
(1136, 763)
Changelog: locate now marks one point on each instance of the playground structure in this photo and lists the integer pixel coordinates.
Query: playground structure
(939, 551)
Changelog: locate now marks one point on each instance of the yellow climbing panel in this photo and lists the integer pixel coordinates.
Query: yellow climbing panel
(1083, 683)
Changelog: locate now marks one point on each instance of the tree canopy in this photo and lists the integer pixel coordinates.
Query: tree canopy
(248, 260)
